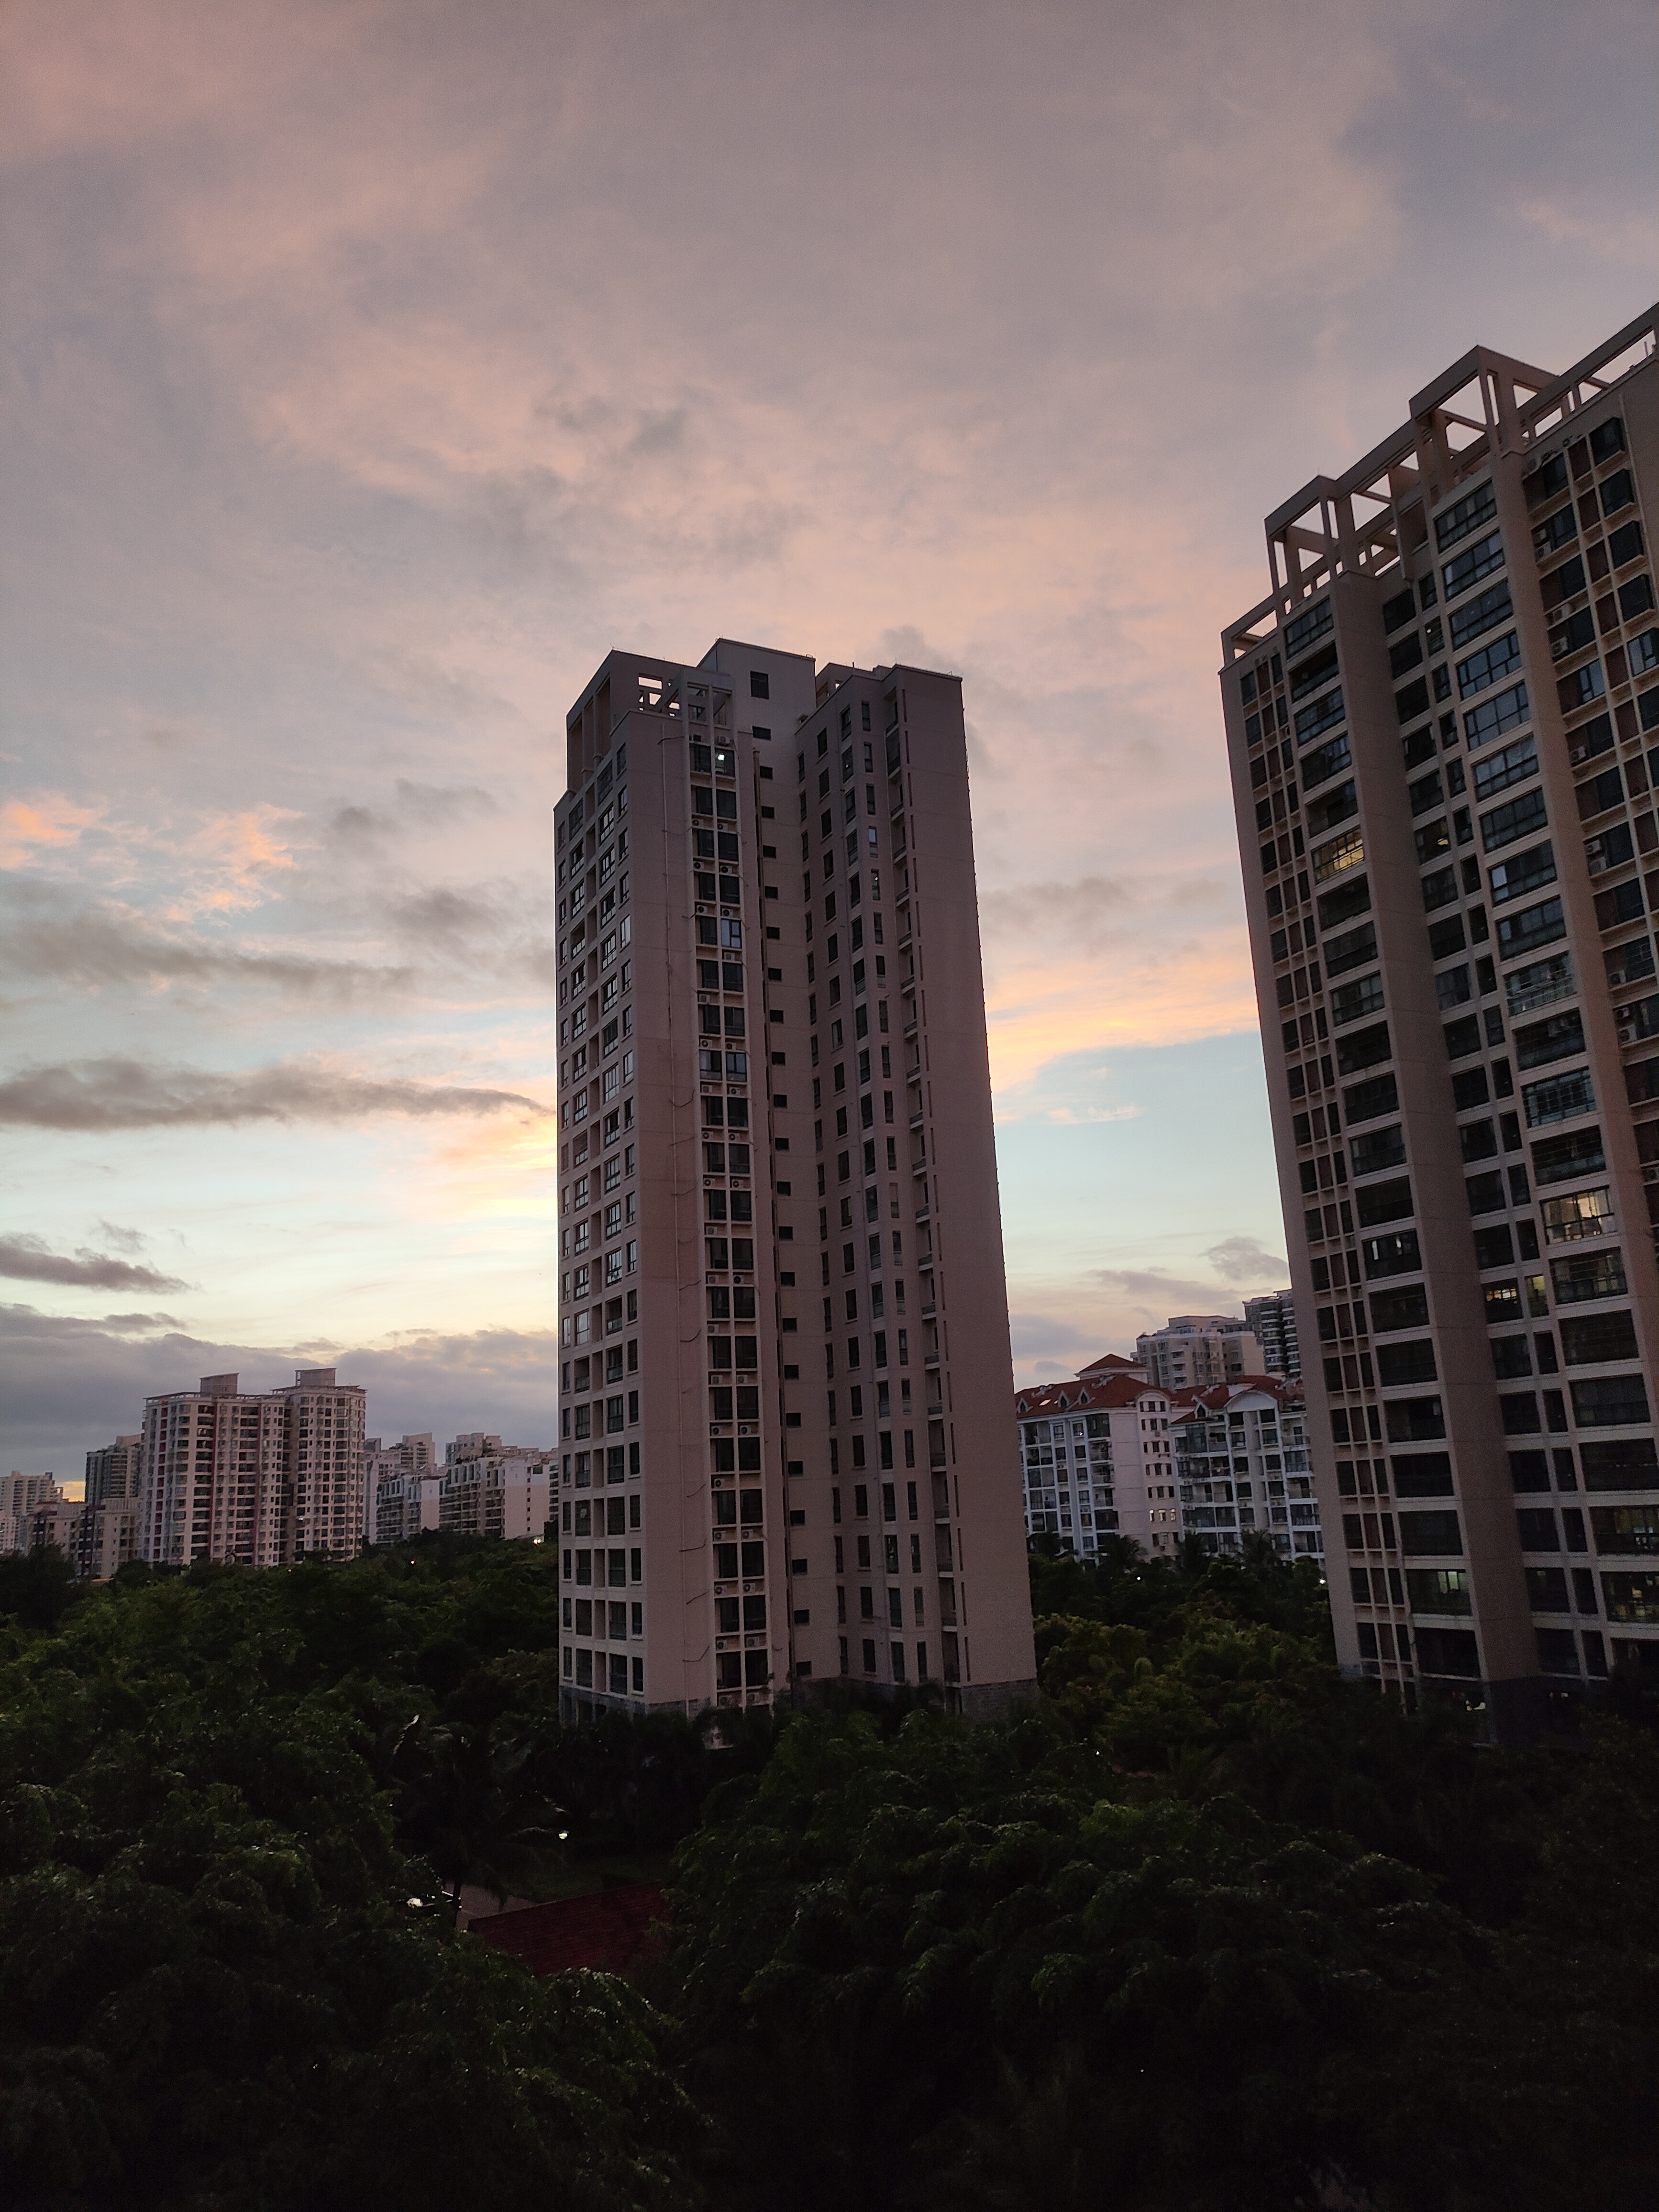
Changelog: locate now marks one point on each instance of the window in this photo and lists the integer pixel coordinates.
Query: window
(1527, 872)
(1526, 932)
(1555, 1038)
(1517, 818)
(1511, 764)
(1431, 1534)
(1478, 561)
(1635, 598)
(1491, 665)
(1475, 617)
(1617, 492)
(1395, 1253)
(1364, 1048)
(760, 684)
(1460, 522)
(1323, 761)
(1626, 1531)
(1589, 1338)
(1611, 1401)
(1645, 652)
(1584, 1213)
(1352, 949)
(1624, 545)
(1415, 1420)
(1407, 1308)
(1302, 632)
(1350, 1002)
(1559, 1099)
(1311, 674)
(1504, 711)
(1370, 1152)
(1384, 1201)
(1557, 1159)
(1587, 1275)
(1406, 1362)
(1338, 805)
(1336, 855)
(1426, 793)
(1366, 1100)
(1324, 715)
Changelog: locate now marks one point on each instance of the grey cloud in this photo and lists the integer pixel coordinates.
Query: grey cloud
(1246, 1260)
(49, 939)
(1034, 1335)
(448, 919)
(124, 1240)
(68, 1385)
(28, 1259)
(130, 1094)
(1151, 1286)
(441, 805)
(1083, 910)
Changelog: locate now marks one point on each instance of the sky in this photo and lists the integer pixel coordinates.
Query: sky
(367, 371)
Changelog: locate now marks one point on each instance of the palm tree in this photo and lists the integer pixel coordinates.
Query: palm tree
(467, 1806)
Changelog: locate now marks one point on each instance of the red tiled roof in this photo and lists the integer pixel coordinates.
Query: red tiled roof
(606, 1931)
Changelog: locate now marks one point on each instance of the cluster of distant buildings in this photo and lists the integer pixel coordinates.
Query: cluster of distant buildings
(1189, 1440)
(1201, 1433)
(262, 1478)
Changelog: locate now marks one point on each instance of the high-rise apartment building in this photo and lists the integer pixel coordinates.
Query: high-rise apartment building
(106, 1533)
(1271, 1319)
(400, 1487)
(259, 1477)
(784, 1427)
(1192, 1351)
(1443, 726)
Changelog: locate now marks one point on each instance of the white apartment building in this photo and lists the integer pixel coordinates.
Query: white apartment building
(400, 1488)
(1098, 1459)
(488, 1488)
(1242, 1455)
(1193, 1351)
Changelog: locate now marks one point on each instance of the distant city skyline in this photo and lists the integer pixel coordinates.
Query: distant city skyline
(359, 448)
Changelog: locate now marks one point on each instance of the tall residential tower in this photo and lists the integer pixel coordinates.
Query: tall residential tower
(784, 1419)
(1443, 726)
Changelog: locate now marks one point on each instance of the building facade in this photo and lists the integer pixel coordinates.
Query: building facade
(1096, 1460)
(1192, 1351)
(106, 1533)
(1271, 1320)
(256, 1477)
(1243, 1461)
(782, 1316)
(488, 1488)
(1444, 728)
(400, 1488)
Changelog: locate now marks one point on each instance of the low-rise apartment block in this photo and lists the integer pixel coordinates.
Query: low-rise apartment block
(1242, 1458)
(1097, 1459)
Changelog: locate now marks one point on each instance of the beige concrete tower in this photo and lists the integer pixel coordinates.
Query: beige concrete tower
(1443, 724)
(784, 1424)
(255, 1477)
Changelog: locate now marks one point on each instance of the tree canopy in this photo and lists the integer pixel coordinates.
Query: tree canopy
(1205, 1926)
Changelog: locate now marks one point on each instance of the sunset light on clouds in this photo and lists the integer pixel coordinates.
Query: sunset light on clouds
(373, 370)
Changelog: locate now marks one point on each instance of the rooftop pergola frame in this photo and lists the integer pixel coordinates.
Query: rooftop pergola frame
(1364, 522)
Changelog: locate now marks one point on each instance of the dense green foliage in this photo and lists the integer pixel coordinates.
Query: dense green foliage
(1205, 1928)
